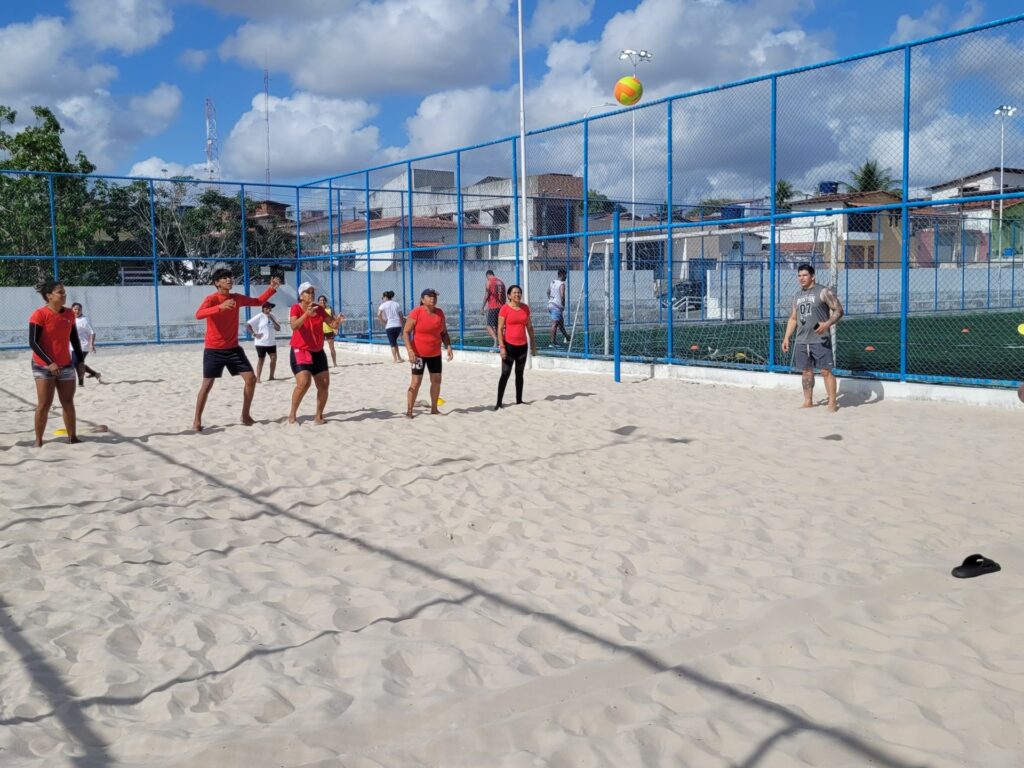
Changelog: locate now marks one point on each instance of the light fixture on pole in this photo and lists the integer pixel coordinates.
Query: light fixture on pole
(597, 106)
(634, 58)
(1003, 111)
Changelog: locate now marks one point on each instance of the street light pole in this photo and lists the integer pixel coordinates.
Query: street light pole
(1003, 111)
(523, 218)
(634, 58)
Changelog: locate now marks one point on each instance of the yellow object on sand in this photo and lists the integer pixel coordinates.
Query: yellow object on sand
(60, 432)
(440, 401)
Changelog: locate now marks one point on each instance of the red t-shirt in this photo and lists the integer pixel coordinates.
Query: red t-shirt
(516, 321)
(495, 293)
(56, 336)
(222, 325)
(426, 336)
(310, 335)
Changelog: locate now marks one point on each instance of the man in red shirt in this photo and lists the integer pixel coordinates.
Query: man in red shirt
(494, 299)
(220, 310)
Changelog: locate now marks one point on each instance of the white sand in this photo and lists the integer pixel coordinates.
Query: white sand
(645, 574)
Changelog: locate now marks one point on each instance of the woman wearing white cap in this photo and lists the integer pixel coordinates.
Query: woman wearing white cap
(308, 359)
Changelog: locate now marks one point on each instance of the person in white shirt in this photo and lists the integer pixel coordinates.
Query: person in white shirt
(263, 328)
(87, 337)
(390, 315)
(556, 306)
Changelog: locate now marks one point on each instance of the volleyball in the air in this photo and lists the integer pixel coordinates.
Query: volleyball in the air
(628, 91)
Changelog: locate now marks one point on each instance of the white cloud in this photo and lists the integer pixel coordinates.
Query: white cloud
(552, 17)
(127, 26)
(158, 168)
(934, 21)
(36, 62)
(383, 47)
(193, 59)
(310, 136)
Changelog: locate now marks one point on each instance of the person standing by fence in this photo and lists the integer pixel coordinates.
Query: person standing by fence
(515, 340)
(330, 328)
(220, 310)
(53, 338)
(816, 309)
(556, 306)
(264, 327)
(425, 331)
(87, 338)
(390, 315)
(494, 299)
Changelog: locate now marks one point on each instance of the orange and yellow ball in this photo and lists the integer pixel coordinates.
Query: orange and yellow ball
(628, 91)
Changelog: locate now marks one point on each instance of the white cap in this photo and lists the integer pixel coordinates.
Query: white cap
(305, 287)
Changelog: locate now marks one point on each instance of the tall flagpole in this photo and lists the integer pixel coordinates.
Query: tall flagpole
(523, 218)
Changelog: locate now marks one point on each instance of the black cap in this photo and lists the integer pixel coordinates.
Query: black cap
(428, 292)
(268, 305)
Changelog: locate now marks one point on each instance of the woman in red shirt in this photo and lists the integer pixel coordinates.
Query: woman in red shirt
(515, 339)
(52, 336)
(308, 359)
(424, 333)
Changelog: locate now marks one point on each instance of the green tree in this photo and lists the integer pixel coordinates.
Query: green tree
(871, 177)
(25, 215)
(784, 193)
(599, 204)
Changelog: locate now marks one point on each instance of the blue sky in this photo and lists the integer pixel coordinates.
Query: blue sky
(358, 83)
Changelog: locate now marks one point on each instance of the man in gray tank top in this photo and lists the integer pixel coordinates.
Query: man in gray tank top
(815, 310)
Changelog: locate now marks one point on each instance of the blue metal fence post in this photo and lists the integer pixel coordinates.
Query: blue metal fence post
(586, 239)
(245, 251)
(515, 201)
(330, 239)
(408, 237)
(156, 267)
(369, 262)
(460, 237)
(669, 246)
(53, 227)
(616, 305)
(298, 240)
(905, 219)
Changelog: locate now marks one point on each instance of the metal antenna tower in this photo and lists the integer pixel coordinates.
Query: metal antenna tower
(212, 144)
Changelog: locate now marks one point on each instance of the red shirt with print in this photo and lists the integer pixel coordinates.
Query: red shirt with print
(495, 293)
(426, 336)
(310, 335)
(222, 325)
(56, 336)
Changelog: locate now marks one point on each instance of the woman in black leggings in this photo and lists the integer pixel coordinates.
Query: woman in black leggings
(515, 340)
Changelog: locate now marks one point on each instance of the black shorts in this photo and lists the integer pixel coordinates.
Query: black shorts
(328, 335)
(432, 364)
(216, 360)
(492, 317)
(262, 352)
(318, 366)
(393, 334)
(76, 360)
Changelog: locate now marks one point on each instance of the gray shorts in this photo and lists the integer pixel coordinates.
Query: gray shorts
(811, 356)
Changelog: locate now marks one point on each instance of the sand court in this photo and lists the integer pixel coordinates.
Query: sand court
(649, 573)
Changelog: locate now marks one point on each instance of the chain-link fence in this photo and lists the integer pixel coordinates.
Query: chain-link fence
(898, 175)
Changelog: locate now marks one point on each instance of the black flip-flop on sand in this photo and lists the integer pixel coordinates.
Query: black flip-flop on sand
(975, 565)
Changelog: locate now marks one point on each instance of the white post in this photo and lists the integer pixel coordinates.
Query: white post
(1002, 187)
(523, 218)
(607, 296)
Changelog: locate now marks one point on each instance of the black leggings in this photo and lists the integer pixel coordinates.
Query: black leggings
(514, 354)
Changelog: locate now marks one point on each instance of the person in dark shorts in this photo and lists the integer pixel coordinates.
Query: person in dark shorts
(308, 359)
(390, 315)
(426, 330)
(87, 338)
(515, 340)
(264, 329)
(220, 310)
(494, 299)
(53, 338)
(816, 309)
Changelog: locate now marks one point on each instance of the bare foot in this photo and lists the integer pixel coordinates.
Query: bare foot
(833, 408)
(197, 427)
(248, 421)
(319, 420)
(807, 405)
(292, 420)
(39, 443)
(435, 412)
(72, 439)
(408, 415)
